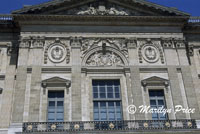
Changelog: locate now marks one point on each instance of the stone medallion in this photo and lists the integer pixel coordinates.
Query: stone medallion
(57, 53)
(150, 53)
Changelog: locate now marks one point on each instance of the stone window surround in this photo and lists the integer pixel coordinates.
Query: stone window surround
(158, 85)
(47, 86)
(123, 90)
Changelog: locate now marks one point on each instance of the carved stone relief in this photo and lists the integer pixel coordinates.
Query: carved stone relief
(107, 59)
(90, 43)
(57, 52)
(96, 11)
(150, 51)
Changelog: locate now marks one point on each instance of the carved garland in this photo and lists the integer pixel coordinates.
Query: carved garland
(57, 52)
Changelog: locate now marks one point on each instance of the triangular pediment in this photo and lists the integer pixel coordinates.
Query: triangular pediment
(101, 8)
(55, 80)
(155, 79)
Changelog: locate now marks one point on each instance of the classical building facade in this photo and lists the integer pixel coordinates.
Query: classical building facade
(74, 66)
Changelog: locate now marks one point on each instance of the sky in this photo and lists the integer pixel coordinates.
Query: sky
(189, 6)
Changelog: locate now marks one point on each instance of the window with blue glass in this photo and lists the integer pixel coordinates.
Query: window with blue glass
(157, 100)
(55, 106)
(107, 100)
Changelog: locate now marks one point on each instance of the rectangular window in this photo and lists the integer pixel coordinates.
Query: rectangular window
(107, 100)
(55, 106)
(157, 100)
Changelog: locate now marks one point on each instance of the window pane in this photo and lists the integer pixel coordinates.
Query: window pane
(152, 102)
(109, 83)
(110, 95)
(116, 89)
(102, 90)
(102, 95)
(160, 102)
(95, 95)
(94, 83)
(51, 116)
(110, 89)
(51, 103)
(117, 95)
(116, 82)
(95, 89)
(102, 83)
(60, 94)
(96, 116)
(60, 103)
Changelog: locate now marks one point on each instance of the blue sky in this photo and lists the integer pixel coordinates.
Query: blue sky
(189, 6)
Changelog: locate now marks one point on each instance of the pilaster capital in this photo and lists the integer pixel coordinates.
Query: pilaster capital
(75, 42)
(131, 43)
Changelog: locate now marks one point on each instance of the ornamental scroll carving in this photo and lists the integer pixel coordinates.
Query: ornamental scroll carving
(96, 11)
(107, 59)
(57, 52)
(150, 51)
(89, 43)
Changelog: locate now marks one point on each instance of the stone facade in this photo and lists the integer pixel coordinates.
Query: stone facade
(66, 47)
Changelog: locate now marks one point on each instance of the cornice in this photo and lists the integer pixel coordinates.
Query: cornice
(101, 20)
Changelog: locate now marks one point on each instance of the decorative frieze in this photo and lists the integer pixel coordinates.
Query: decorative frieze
(57, 52)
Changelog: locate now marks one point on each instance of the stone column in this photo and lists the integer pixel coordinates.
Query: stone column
(76, 79)
(190, 91)
(7, 94)
(34, 105)
(176, 90)
(19, 95)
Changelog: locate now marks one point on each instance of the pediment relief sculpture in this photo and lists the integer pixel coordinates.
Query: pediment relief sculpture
(96, 11)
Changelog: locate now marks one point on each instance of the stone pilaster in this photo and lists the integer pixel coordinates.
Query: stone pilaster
(176, 90)
(7, 93)
(34, 105)
(137, 91)
(190, 91)
(19, 94)
(76, 79)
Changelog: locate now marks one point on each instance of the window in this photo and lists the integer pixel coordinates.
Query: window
(107, 100)
(55, 106)
(157, 100)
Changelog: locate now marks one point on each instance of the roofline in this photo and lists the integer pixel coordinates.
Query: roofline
(147, 3)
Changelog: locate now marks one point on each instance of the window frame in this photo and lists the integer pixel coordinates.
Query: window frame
(63, 99)
(107, 100)
(156, 98)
